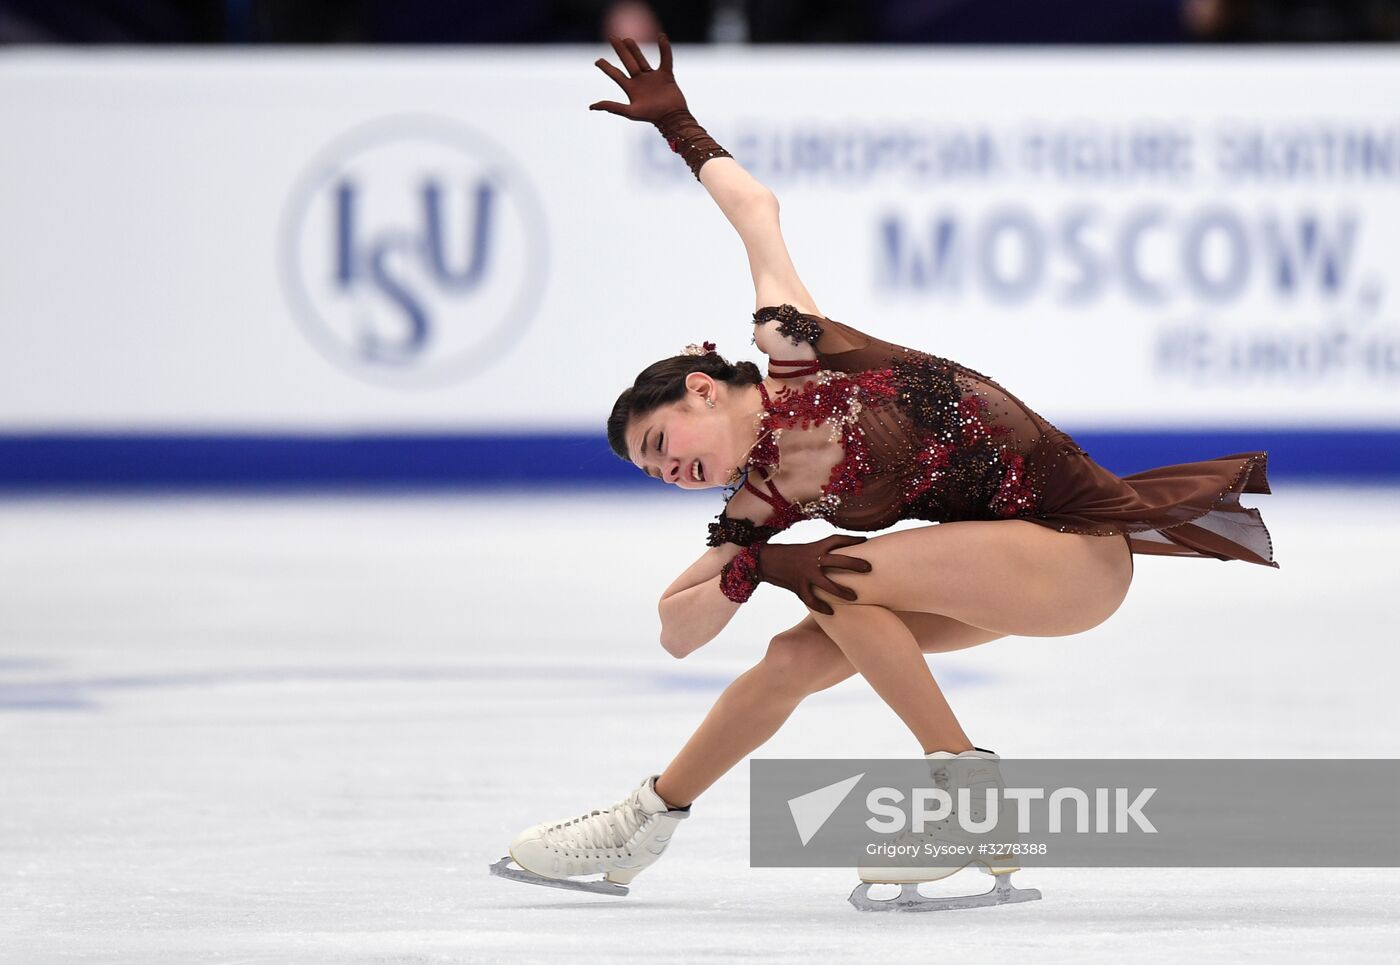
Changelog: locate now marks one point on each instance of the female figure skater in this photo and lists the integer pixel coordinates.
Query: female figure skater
(1034, 537)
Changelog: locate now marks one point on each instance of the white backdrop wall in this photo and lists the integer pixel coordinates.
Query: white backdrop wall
(450, 241)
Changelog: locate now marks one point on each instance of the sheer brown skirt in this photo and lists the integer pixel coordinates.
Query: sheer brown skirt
(1190, 509)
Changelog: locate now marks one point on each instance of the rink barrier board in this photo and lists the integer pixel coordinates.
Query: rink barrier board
(136, 461)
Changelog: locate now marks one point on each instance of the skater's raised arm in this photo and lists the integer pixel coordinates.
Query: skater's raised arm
(755, 218)
(654, 97)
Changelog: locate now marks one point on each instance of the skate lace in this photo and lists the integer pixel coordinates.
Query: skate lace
(604, 828)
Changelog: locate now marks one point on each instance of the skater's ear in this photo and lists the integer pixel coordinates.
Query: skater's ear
(700, 386)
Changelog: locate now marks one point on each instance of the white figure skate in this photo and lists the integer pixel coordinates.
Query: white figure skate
(975, 771)
(620, 842)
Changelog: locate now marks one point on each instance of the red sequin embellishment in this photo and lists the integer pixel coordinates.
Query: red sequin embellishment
(765, 454)
(975, 428)
(931, 459)
(833, 396)
(739, 577)
(1014, 497)
(802, 407)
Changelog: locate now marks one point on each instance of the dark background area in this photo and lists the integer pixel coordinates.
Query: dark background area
(697, 21)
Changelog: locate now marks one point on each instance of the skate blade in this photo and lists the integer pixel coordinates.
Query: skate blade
(1003, 893)
(597, 887)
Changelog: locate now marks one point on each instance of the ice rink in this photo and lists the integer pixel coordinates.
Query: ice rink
(298, 729)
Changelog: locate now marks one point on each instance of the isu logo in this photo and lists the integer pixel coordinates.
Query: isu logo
(413, 251)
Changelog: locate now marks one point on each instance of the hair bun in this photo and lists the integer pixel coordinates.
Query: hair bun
(748, 372)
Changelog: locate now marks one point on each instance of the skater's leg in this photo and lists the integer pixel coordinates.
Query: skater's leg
(800, 661)
(1011, 576)
(881, 648)
(1008, 576)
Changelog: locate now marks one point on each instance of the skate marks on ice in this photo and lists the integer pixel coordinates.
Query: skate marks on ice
(56, 692)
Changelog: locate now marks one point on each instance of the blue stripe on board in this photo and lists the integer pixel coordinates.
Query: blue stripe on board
(137, 461)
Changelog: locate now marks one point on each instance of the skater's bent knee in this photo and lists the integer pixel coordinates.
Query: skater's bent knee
(801, 660)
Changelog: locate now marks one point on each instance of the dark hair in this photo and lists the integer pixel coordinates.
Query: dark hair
(663, 382)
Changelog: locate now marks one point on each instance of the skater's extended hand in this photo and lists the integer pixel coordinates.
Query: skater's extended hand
(652, 92)
(800, 567)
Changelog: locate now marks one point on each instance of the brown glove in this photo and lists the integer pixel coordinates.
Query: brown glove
(798, 567)
(655, 97)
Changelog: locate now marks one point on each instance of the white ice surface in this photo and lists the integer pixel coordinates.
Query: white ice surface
(298, 730)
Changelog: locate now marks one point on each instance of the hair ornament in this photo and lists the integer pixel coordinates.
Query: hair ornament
(703, 349)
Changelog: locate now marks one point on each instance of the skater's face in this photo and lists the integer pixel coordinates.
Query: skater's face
(690, 443)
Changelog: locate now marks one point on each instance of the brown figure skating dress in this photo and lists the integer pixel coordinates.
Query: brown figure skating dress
(927, 438)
